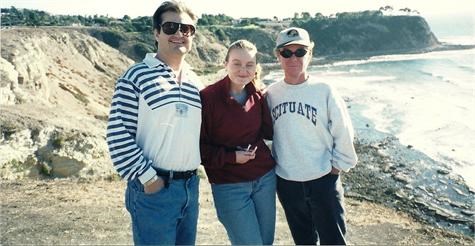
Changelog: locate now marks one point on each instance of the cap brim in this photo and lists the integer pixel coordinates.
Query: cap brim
(301, 42)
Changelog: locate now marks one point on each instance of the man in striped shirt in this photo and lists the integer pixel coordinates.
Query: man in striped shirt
(153, 133)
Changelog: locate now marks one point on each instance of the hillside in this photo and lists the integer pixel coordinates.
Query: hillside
(55, 95)
(348, 35)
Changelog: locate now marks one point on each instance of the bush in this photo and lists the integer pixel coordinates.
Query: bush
(112, 38)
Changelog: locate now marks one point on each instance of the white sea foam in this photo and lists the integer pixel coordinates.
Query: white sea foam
(407, 57)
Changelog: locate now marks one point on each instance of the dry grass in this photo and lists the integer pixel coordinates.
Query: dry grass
(72, 212)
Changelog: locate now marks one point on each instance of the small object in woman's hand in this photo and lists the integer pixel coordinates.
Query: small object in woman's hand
(248, 147)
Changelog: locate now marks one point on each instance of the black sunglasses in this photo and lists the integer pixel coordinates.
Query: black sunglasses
(170, 28)
(286, 53)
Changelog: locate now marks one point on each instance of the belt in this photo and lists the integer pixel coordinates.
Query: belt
(176, 174)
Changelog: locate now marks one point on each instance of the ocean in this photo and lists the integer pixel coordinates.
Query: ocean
(426, 100)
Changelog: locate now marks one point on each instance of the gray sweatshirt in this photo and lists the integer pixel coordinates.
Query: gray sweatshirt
(312, 130)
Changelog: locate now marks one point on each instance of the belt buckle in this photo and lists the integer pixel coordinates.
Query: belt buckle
(170, 175)
(188, 174)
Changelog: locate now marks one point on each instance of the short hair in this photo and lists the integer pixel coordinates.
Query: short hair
(171, 6)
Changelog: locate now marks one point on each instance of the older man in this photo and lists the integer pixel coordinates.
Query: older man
(313, 143)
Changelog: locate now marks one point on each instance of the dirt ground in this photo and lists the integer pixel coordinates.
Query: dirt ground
(72, 212)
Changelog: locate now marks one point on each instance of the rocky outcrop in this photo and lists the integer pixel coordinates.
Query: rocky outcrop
(39, 152)
(55, 93)
(407, 180)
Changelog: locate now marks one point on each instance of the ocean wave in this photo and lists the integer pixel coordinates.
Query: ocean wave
(470, 69)
(437, 76)
(340, 72)
(404, 57)
(357, 71)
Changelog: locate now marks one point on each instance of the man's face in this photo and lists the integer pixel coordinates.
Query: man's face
(294, 59)
(177, 43)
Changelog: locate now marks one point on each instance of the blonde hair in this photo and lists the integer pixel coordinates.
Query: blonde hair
(250, 47)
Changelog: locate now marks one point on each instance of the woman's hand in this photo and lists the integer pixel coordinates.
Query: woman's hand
(243, 156)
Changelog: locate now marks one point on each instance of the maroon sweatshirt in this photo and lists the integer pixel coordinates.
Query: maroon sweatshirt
(226, 125)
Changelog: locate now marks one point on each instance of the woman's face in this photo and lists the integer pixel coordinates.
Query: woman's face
(241, 66)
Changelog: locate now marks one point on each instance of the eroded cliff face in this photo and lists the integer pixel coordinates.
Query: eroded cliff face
(55, 92)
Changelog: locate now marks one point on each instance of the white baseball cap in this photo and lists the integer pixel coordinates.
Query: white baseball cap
(292, 35)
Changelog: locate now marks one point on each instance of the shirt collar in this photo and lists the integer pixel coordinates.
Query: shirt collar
(187, 75)
(151, 61)
(226, 83)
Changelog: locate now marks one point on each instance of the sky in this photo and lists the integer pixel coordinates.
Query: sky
(243, 8)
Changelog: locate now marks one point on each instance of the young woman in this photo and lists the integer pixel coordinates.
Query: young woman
(238, 163)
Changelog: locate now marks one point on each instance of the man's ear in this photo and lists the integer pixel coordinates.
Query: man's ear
(156, 33)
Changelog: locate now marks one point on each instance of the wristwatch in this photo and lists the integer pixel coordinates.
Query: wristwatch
(150, 181)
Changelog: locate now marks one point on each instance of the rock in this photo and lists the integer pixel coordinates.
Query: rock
(386, 167)
(401, 178)
(428, 191)
(421, 203)
(63, 167)
(458, 191)
(457, 204)
(358, 196)
(441, 171)
(442, 199)
(400, 194)
(468, 212)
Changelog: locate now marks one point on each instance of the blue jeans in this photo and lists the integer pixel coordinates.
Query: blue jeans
(168, 216)
(314, 210)
(247, 209)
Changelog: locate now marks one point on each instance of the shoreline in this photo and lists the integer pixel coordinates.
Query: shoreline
(331, 59)
(402, 178)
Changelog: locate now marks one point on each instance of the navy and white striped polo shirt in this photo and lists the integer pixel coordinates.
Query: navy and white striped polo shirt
(154, 120)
